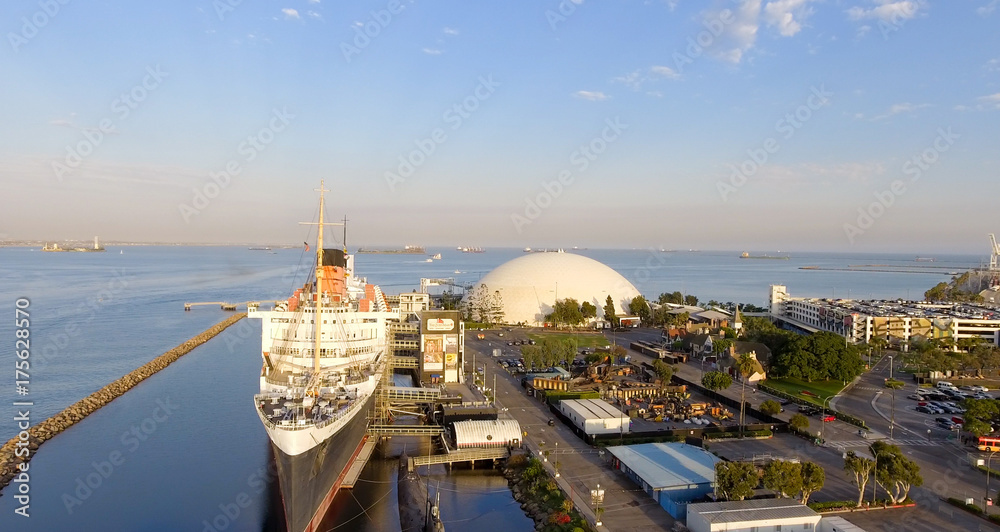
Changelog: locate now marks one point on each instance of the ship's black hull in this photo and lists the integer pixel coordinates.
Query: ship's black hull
(309, 481)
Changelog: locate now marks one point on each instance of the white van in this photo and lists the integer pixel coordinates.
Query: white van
(944, 385)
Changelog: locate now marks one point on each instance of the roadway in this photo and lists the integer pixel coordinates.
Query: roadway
(582, 467)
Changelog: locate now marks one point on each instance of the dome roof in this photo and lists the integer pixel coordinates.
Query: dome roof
(529, 285)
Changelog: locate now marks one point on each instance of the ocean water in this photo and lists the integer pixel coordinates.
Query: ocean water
(184, 449)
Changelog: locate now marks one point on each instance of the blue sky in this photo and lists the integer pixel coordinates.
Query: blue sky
(855, 125)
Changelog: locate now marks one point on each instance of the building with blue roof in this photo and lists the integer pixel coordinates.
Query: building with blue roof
(673, 474)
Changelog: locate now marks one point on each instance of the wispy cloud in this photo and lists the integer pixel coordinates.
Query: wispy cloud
(894, 109)
(993, 65)
(992, 99)
(593, 96)
(635, 79)
(313, 14)
(988, 9)
(314, 1)
(432, 51)
(787, 15)
(450, 31)
(887, 10)
(290, 13)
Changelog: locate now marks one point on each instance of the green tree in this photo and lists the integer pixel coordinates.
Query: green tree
(895, 472)
(566, 312)
(716, 380)
(721, 345)
(799, 422)
(675, 298)
(691, 301)
(639, 307)
(813, 479)
(664, 372)
(532, 355)
(588, 310)
(729, 333)
(858, 469)
(609, 311)
(770, 407)
(736, 481)
(783, 477)
(979, 414)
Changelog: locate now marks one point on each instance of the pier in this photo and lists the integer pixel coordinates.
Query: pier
(464, 455)
(228, 306)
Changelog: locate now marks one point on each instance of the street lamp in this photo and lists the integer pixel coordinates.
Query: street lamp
(892, 418)
(986, 510)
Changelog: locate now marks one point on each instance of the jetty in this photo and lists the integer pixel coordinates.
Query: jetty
(228, 306)
(73, 414)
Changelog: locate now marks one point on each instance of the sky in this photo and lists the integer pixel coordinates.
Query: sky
(813, 125)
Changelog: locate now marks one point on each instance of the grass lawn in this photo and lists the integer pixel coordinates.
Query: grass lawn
(820, 389)
(586, 339)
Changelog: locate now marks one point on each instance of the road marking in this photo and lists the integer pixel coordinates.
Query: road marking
(844, 444)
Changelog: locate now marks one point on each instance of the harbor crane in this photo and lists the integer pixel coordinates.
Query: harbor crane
(994, 252)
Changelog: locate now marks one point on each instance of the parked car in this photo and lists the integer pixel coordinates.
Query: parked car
(915, 396)
(924, 409)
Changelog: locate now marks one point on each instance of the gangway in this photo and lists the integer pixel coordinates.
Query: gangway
(465, 455)
(404, 362)
(405, 430)
(351, 477)
(406, 394)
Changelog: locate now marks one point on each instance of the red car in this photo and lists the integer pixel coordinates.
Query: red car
(830, 418)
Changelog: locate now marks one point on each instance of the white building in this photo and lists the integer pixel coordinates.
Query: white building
(594, 416)
(898, 321)
(757, 515)
(487, 433)
(529, 286)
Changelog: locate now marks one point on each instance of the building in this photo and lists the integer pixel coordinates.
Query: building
(897, 321)
(413, 303)
(594, 416)
(673, 474)
(487, 433)
(442, 346)
(757, 515)
(529, 286)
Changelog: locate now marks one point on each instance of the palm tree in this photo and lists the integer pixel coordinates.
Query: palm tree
(745, 365)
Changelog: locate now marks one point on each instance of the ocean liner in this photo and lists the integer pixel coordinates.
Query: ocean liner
(317, 390)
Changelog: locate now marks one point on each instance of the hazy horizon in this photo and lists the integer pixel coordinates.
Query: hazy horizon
(794, 125)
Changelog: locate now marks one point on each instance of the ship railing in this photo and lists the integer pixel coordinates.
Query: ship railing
(305, 423)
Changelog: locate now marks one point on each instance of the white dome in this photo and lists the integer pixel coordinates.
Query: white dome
(529, 285)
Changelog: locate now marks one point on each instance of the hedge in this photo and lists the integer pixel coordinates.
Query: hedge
(728, 435)
(972, 508)
(832, 505)
(554, 396)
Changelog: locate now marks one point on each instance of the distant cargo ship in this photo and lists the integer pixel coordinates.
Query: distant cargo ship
(746, 255)
(259, 249)
(408, 250)
(55, 247)
(472, 250)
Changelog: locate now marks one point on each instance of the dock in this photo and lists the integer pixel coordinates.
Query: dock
(464, 455)
(351, 478)
(228, 306)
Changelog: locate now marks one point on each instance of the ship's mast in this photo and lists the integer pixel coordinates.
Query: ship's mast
(318, 317)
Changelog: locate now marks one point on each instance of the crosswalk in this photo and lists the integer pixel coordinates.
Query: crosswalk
(850, 444)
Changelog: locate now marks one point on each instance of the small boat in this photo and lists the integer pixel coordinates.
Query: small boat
(436, 256)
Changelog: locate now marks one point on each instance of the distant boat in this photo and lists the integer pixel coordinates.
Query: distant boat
(121, 252)
(429, 260)
(527, 250)
(746, 255)
(260, 249)
(436, 256)
(924, 259)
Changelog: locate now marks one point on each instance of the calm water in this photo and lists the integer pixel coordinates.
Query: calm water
(97, 316)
